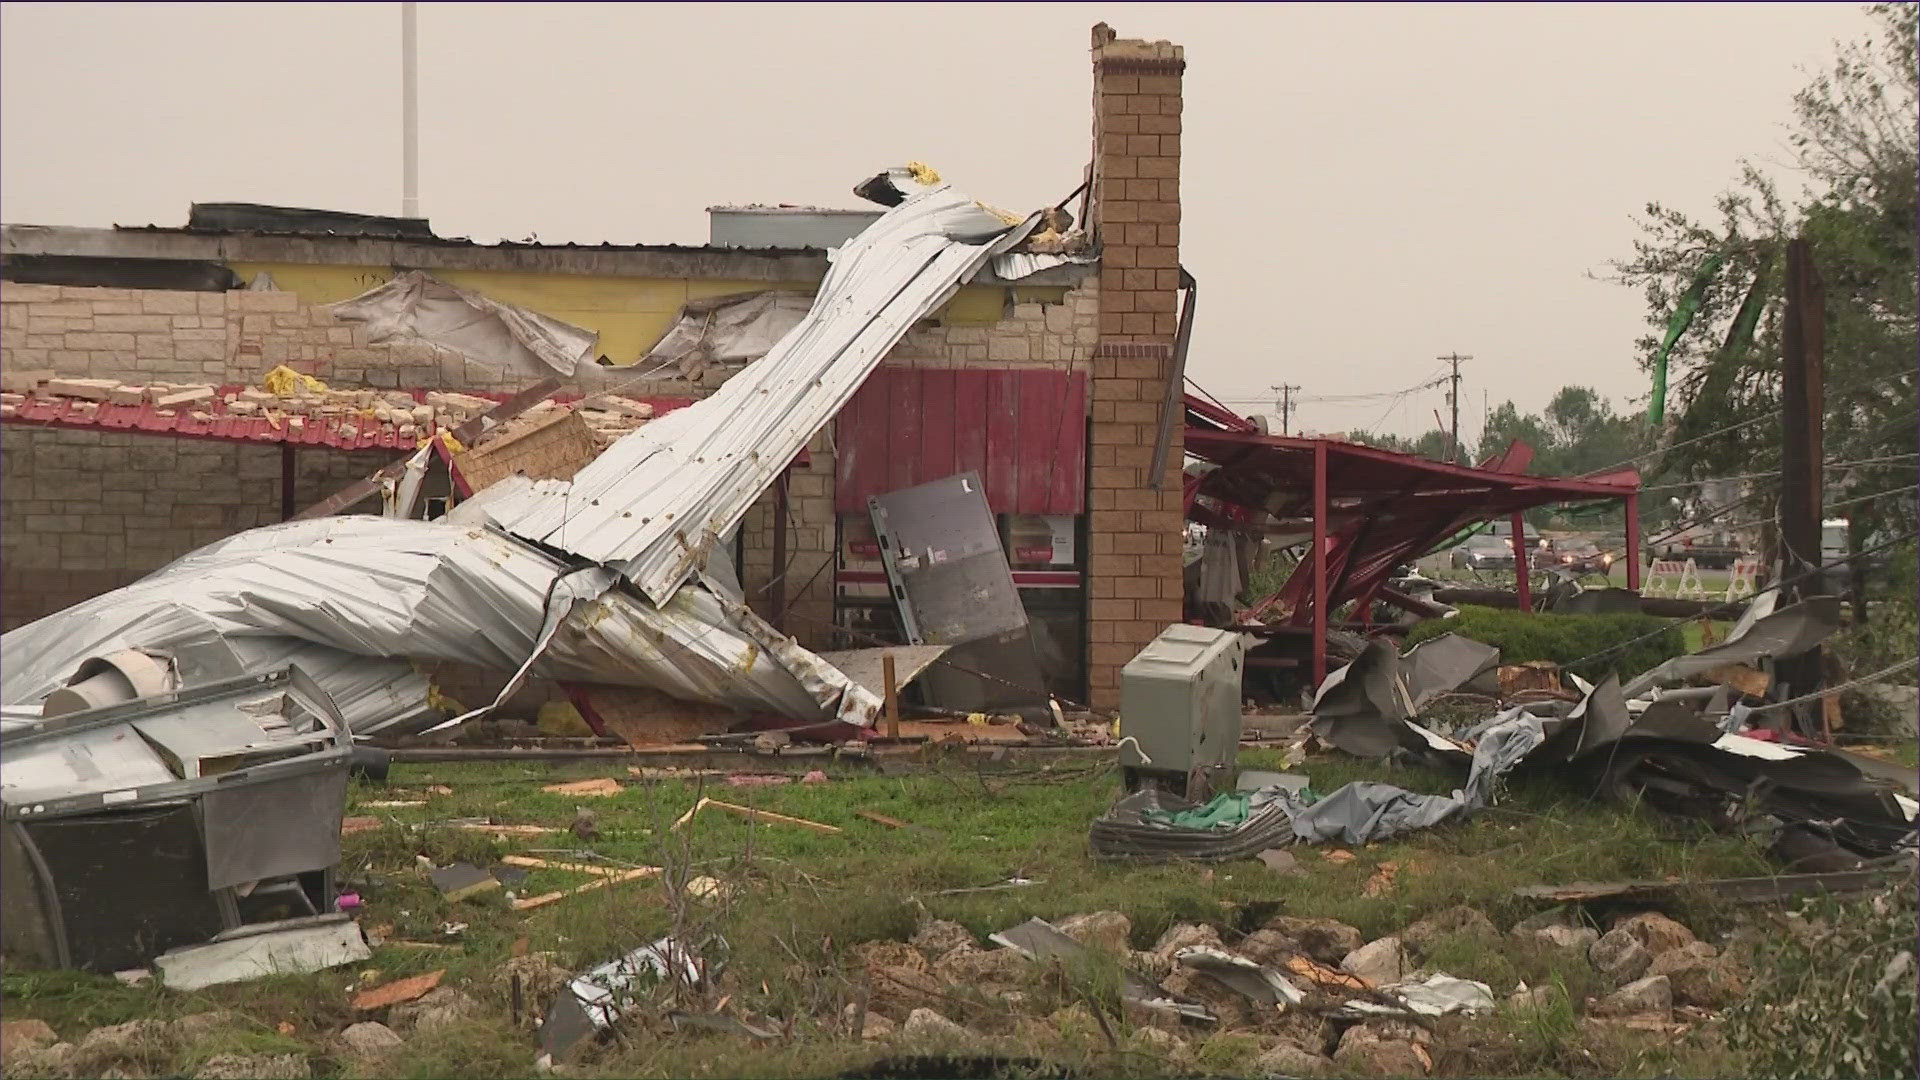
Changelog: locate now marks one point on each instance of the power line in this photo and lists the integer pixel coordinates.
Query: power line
(1453, 400)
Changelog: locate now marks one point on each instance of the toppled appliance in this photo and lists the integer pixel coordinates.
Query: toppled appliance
(1180, 710)
(953, 585)
(135, 827)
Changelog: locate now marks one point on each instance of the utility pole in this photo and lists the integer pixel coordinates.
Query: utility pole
(1803, 401)
(1285, 390)
(1453, 399)
(409, 111)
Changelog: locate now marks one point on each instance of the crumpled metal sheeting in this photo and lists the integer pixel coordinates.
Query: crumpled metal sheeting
(418, 306)
(359, 587)
(1763, 632)
(657, 499)
(727, 329)
(1126, 831)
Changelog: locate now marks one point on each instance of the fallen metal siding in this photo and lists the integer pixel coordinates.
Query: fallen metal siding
(658, 499)
(345, 597)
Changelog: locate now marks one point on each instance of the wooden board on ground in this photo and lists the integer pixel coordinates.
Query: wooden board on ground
(864, 666)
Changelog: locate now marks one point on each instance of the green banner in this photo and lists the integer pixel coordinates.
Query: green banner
(1683, 314)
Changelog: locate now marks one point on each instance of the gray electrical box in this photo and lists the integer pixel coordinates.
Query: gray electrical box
(1180, 707)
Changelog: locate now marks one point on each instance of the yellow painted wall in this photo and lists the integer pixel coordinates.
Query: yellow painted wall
(629, 313)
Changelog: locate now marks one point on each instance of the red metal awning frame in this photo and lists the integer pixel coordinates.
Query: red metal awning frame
(1371, 509)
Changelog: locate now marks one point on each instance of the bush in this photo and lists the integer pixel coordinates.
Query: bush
(1563, 639)
(1837, 1001)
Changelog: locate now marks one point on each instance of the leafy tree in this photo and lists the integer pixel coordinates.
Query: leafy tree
(1854, 138)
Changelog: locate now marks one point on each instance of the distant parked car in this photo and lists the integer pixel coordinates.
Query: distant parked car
(1483, 553)
(1580, 557)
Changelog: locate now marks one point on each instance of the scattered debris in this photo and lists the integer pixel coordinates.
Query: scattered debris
(199, 797)
(750, 812)
(462, 880)
(593, 1001)
(602, 787)
(393, 993)
(293, 946)
(621, 877)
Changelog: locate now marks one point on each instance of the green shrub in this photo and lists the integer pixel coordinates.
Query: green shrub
(1563, 639)
(1838, 1000)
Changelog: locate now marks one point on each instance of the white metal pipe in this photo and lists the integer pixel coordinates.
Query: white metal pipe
(410, 110)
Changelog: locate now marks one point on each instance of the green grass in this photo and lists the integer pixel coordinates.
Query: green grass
(805, 897)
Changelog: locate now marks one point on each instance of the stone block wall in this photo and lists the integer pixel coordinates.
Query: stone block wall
(1134, 531)
(85, 512)
(154, 335)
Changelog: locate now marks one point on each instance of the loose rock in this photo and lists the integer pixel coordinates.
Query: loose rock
(55, 1059)
(368, 1039)
(1559, 916)
(254, 1067)
(1290, 1060)
(20, 1035)
(142, 1043)
(1325, 940)
(1367, 1050)
(1619, 956)
(1657, 932)
(540, 979)
(938, 937)
(441, 1007)
(1108, 931)
(875, 955)
(1653, 994)
(1380, 962)
(983, 967)
(897, 991)
(927, 1025)
(1182, 935)
(1457, 920)
(1699, 977)
(1569, 937)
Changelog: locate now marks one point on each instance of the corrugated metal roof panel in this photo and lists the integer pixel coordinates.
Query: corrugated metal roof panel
(657, 499)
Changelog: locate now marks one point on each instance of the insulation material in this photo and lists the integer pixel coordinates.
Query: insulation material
(727, 330)
(415, 306)
(657, 502)
(349, 588)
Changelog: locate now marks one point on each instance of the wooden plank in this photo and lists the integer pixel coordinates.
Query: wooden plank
(1002, 478)
(528, 862)
(1041, 404)
(531, 902)
(903, 429)
(756, 815)
(850, 464)
(938, 413)
(970, 421)
(880, 819)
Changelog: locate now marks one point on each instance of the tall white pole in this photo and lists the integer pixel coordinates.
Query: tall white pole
(410, 109)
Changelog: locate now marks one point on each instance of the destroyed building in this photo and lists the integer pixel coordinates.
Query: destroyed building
(1049, 377)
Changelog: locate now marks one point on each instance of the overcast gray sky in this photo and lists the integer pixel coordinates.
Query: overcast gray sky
(1366, 186)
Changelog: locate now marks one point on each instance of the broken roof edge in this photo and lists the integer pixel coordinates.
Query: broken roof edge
(772, 265)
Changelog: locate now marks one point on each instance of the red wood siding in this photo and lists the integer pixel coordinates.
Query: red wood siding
(1023, 430)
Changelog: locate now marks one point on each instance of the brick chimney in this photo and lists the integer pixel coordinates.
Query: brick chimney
(1135, 532)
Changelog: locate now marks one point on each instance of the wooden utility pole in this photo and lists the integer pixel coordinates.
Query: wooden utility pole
(1286, 405)
(1803, 402)
(1453, 399)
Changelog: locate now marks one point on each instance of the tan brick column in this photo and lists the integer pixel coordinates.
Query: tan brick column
(1134, 574)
